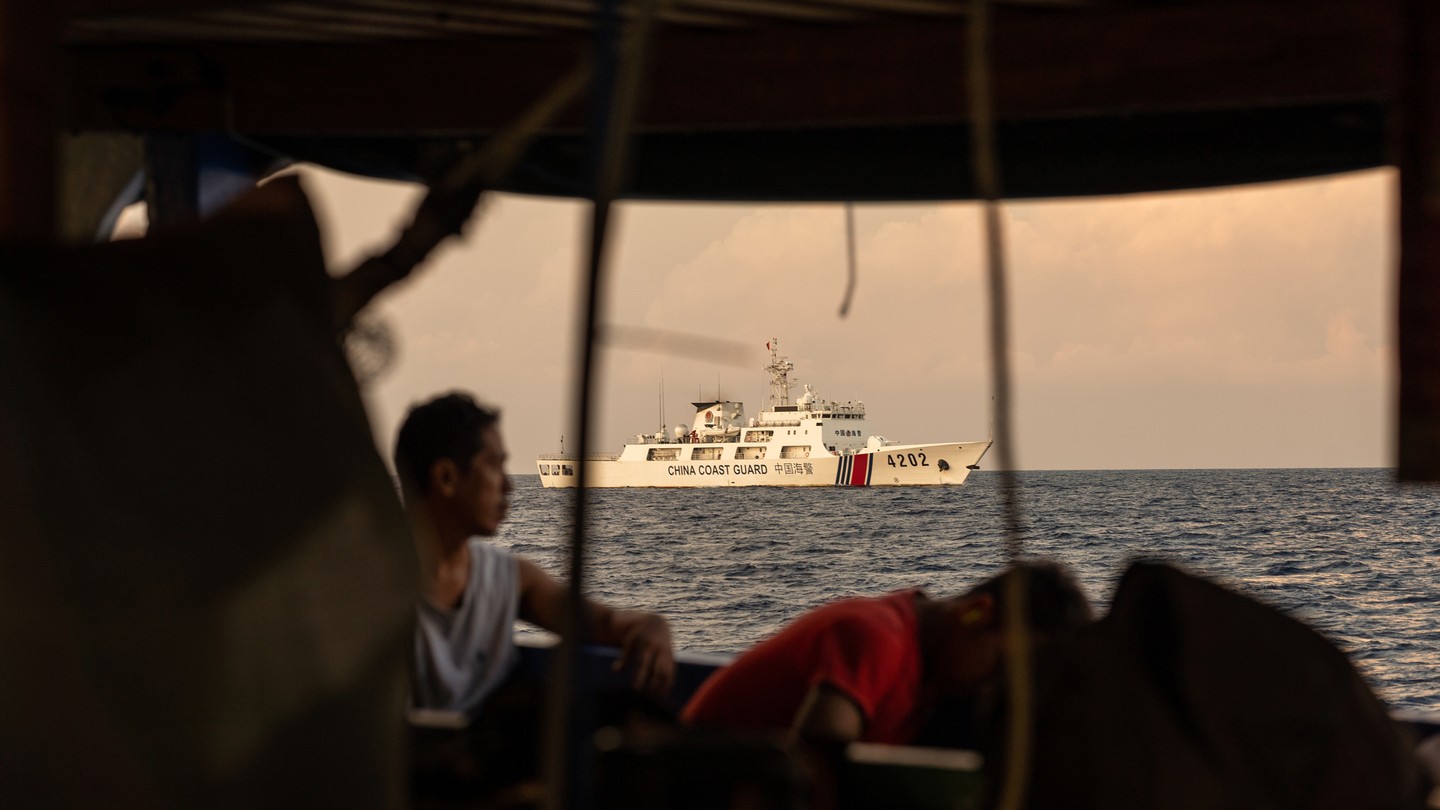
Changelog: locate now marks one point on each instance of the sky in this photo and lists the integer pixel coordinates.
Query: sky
(1243, 327)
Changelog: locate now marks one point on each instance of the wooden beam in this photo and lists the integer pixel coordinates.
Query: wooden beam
(901, 71)
(552, 15)
(1418, 456)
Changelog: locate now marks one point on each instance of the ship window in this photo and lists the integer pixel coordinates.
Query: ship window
(758, 435)
(544, 469)
(664, 454)
(795, 451)
(568, 470)
(705, 453)
(747, 453)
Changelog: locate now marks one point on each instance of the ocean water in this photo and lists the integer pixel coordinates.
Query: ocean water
(1347, 551)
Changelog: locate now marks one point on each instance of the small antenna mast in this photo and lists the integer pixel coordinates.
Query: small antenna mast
(779, 368)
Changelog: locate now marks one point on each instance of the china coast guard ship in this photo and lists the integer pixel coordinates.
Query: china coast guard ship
(808, 443)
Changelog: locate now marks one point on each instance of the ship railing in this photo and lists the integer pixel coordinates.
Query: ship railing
(571, 456)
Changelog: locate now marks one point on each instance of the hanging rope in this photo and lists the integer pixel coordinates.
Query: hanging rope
(850, 269)
(615, 96)
(1018, 664)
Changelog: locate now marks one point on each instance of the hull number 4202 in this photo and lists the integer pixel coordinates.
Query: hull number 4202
(906, 459)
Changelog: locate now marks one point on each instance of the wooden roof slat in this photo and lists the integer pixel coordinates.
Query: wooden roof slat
(179, 20)
(779, 10)
(532, 21)
(88, 8)
(177, 29)
(928, 7)
(581, 10)
(674, 12)
(685, 12)
(339, 27)
(422, 24)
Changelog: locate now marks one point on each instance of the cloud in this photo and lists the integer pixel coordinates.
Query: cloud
(1138, 323)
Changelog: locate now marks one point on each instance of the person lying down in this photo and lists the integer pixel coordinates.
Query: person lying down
(874, 669)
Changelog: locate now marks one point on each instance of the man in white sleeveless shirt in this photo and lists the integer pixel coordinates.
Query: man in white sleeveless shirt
(451, 461)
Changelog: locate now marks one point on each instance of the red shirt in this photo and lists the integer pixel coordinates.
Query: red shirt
(868, 649)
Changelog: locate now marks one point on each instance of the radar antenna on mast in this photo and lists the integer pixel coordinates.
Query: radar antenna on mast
(779, 368)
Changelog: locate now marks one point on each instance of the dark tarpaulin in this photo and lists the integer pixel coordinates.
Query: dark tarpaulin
(206, 579)
(1190, 696)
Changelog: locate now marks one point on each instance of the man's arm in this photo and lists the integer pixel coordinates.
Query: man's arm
(828, 715)
(643, 638)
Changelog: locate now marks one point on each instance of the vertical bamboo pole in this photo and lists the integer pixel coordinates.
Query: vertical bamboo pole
(1418, 456)
(172, 179)
(619, 70)
(29, 50)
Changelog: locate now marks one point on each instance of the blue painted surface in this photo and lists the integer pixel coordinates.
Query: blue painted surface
(597, 668)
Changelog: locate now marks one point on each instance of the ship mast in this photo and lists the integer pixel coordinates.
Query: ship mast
(779, 368)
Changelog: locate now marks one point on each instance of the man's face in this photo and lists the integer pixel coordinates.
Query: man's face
(964, 667)
(484, 488)
(969, 652)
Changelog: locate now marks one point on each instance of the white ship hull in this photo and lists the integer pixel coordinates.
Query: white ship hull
(890, 466)
(807, 442)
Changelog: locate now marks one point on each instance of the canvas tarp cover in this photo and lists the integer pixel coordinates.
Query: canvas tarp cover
(1188, 695)
(206, 580)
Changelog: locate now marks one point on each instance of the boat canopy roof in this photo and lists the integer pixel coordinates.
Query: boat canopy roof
(785, 100)
(780, 100)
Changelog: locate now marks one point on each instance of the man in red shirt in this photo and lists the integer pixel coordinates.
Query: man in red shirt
(870, 669)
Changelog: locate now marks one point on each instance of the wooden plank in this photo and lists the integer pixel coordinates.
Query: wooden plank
(772, 10)
(1418, 456)
(82, 8)
(532, 21)
(178, 30)
(932, 7)
(358, 20)
(76, 8)
(560, 14)
(360, 23)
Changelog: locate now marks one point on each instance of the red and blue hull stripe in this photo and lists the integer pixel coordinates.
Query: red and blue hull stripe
(854, 471)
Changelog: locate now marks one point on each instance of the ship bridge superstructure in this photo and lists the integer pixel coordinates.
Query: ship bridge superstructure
(837, 427)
